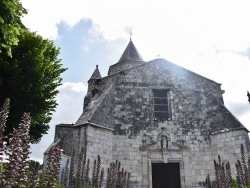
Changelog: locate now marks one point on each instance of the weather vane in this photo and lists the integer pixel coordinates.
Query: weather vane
(130, 35)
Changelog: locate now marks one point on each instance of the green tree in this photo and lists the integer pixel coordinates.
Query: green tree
(30, 79)
(11, 26)
(35, 165)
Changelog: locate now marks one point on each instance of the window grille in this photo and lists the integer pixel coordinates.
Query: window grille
(160, 102)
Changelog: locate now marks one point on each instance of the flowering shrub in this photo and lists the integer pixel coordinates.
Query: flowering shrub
(223, 177)
(15, 172)
(116, 177)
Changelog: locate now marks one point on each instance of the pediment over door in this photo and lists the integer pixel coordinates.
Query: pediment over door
(160, 141)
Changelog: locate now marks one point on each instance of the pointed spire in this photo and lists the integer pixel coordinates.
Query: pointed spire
(96, 74)
(130, 53)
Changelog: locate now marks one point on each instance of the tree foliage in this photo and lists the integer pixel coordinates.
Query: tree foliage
(11, 12)
(30, 79)
(33, 165)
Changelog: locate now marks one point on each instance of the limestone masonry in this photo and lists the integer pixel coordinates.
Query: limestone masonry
(147, 114)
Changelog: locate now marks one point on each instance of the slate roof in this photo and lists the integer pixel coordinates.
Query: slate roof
(130, 53)
(96, 74)
(87, 115)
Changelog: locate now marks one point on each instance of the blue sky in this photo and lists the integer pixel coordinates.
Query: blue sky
(80, 52)
(211, 38)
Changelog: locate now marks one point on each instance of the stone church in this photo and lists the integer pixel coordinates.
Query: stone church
(164, 123)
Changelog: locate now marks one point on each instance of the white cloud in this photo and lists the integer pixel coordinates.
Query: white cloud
(85, 48)
(188, 23)
(70, 106)
(77, 87)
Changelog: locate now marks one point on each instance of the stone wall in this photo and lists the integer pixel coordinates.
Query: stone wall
(64, 132)
(94, 139)
(123, 66)
(128, 105)
(127, 151)
(99, 142)
(196, 160)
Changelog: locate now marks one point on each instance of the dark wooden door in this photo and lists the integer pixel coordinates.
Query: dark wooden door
(166, 175)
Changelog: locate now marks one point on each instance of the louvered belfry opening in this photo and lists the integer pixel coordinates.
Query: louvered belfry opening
(160, 100)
